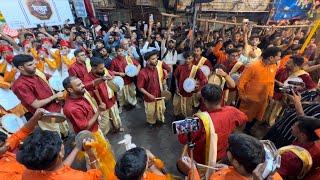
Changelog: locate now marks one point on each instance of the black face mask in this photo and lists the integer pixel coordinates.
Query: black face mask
(100, 73)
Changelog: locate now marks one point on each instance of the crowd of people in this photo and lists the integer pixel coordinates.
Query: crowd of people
(232, 80)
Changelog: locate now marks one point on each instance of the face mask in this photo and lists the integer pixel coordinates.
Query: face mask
(9, 58)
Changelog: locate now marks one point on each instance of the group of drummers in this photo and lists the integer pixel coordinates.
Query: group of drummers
(70, 82)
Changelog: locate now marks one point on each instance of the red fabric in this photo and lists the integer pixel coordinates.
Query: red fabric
(79, 112)
(225, 121)
(119, 64)
(5, 48)
(102, 89)
(30, 88)
(78, 70)
(291, 164)
(65, 43)
(46, 40)
(283, 74)
(149, 80)
(207, 63)
(183, 72)
(89, 8)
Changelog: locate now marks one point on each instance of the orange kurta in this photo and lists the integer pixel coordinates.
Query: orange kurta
(256, 86)
(10, 169)
(147, 176)
(231, 174)
(64, 173)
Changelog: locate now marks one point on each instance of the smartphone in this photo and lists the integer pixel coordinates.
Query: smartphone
(186, 126)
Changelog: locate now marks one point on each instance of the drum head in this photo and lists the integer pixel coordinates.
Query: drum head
(166, 94)
(131, 70)
(118, 80)
(11, 123)
(206, 70)
(189, 85)
(52, 117)
(55, 82)
(81, 136)
(294, 79)
(235, 77)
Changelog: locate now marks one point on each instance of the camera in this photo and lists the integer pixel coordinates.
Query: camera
(292, 86)
(186, 126)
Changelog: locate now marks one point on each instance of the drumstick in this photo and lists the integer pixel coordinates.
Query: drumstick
(159, 98)
(205, 166)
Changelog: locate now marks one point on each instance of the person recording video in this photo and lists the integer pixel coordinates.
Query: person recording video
(225, 120)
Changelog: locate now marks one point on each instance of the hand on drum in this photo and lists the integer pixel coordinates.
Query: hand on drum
(107, 77)
(122, 74)
(39, 113)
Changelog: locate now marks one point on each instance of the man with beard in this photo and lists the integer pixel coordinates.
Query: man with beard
(150, 83)
(104, 54)
(82, 111)
(33, 90)
(103, 94)
(199, 60)
(118, 65)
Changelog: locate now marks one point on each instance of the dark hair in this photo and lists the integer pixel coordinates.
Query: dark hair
(297, 60)
(197, 45)
(187, 54)
(95, 61)
(77, 52)
(149, 54)
(3, 136)
(40, 149)
(118, 47)
(233, 50)
(270, 51)
(21, 59)
(67, 82)
(247, 150)
(240, 45)
(27, 34)
(254, 36)
(296, 47)
(212, 93)
(308, 125)
(98, 40)
(131, 164)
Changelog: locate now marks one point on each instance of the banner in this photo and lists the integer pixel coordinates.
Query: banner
(291, 9)
(80, 8)
(30, 13)
(228, 5)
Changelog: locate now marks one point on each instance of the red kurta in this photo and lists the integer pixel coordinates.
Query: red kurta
(182, 73)
(102, 89)
(118, 64)
(78, 70)
(291, 165)
(79, 112)
(225, 121)
(30, 88)
(207, 63)
(283, 74)
(149, 80)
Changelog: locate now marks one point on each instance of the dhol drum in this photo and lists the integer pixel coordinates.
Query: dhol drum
(166, 95)
(235, 77)
(189, 85)
(116, 84)
(11, 123)
(52, 117)
(206, 70)
(131, 70)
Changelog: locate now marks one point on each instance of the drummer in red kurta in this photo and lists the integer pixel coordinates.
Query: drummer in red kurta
(10, 169)
(307, 133)
(225, 120)
(102, 92)
(149, 84)
(127, 95)
(79, 69)
(32, 89)
(183, 102)
(293, 69)
(256, 85)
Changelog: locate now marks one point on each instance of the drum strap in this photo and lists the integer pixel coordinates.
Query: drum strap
(129, 60)
(298, 73)
(42, 76)
(92, 102)
(160, 74)
(110, 91)
(201, 62)
(211, 138)
(303, 155)
(68, 61)
(193, 72)
(88, 65)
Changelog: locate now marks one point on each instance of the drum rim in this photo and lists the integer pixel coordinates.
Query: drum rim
(189, 79)
(7, 115)
(127, 69)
